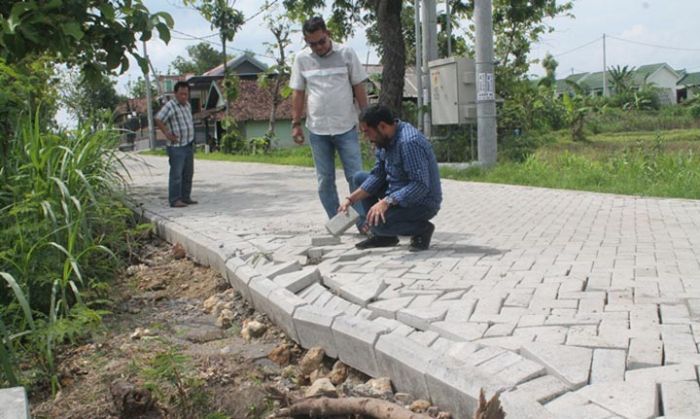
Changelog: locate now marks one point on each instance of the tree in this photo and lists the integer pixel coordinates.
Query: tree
(202, 57)
(280, 27)
(94, 34)
(621, 78)
(88, 98)
(550, 66)
(137, 89)
(386, 15)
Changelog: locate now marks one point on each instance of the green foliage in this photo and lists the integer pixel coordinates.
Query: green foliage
(611, 119)
(94, 34)
(621, 78)
(88, 98)
(577, 108)
(694, 111)
(202, 58)
(63, 222)
(169, 375)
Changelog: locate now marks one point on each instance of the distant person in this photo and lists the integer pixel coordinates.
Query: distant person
(175, 121)
(329, 75)
(402, 192)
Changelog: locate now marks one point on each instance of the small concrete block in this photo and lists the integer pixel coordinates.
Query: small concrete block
(260, 287)
(406, 362)
(681, 399)
(644, 353)
(388, 308)
(456, 389)
(362, 293)
(355, 339)
(569, 363)
(676, 372)
(283, 268)
(636, 399)
(460, 331)
(522, 371)
(421, 318)
(281, 306)
(325, 241)
(341, 222)
(299, 280)
(313, 326)
(608, 366)
(14, 403)
(543, 389)
(517, 406)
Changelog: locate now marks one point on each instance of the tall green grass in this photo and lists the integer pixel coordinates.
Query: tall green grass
(61, 221)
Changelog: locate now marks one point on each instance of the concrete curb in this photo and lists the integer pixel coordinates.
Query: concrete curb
(14, 403)
(315, 316)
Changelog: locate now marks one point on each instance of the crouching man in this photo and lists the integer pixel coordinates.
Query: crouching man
(402, 192)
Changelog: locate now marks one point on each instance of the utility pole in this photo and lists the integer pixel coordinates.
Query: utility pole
(605, 71)
(149, 104)
(485, 83)
(448, 27)
(429, 54)
(419, 65)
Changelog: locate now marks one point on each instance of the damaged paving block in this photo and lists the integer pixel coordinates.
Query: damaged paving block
(364, 292)
(298, 280)
(542, 389)
(325, 241)
(355, 339)
(421, 318)
(569, 363)
(342, 221)
(388, 308)
(637, 399)
(272, 271)
(313, 326)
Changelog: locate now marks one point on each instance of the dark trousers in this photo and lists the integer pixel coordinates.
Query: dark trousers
(400, 221)
(181, 171)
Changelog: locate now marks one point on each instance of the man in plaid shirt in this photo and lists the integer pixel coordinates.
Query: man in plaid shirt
(402, 192)
(175, 121)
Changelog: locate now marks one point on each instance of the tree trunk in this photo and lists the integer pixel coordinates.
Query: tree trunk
(394, 58)
(326, 407)
(275, 104)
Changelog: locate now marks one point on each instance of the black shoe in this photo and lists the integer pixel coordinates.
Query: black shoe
(189, 202)
(178, 204)
(378, 241)
(422, 241)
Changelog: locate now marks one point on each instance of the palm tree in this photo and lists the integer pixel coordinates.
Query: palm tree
(621, 78)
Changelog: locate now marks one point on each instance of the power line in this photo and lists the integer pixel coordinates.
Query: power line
(654, 45)
(196, 38)
(578, 47)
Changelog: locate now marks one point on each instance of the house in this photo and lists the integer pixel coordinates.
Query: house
(688, 86)
(662, 76)
(374, 73)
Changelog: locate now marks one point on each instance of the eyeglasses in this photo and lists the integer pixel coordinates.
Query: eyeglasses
(320, 42)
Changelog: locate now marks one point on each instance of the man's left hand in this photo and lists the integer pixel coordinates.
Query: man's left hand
(377, 213)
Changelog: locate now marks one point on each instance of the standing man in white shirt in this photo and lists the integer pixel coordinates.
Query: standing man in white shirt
(175, 121)
(330, 76)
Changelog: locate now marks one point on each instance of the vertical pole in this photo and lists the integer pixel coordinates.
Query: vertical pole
(419, 65)
(605, 70)
(429, 53)
(485, 83)
(149, 105)
(448, 27)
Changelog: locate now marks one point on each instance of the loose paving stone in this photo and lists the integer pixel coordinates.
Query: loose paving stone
(569, 363)
(543, 389)
(644, 353)
(627, 399)
(663, 374)
(299, 280)
(608, 366)
(681, 399)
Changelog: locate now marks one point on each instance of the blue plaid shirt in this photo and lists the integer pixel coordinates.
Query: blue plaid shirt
(408, 169)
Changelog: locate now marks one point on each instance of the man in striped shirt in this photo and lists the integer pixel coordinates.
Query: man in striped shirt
(403, 191)
(175, 121)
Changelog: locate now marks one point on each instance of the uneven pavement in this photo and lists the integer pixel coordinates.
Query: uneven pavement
(571, 304)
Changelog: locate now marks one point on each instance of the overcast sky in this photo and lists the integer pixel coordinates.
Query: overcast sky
(639, 32)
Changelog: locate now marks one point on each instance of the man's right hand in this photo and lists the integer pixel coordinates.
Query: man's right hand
(344, 206)
(171, 137)
(298, 134)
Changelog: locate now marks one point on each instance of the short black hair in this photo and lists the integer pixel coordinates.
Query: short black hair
(314, 24)
(180, 84)
(374, 114)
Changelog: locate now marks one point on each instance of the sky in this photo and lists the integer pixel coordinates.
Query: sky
(637, 32)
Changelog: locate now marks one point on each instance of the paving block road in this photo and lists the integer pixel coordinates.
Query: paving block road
(574, 304)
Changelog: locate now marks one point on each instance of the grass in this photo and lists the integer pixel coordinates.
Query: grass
(647, 163)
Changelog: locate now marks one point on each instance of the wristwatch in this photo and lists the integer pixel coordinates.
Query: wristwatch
(391, 201)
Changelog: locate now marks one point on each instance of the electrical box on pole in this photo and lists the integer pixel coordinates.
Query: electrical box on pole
(453, 91)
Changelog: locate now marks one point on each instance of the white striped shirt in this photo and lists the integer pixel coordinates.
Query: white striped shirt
(179, 120)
